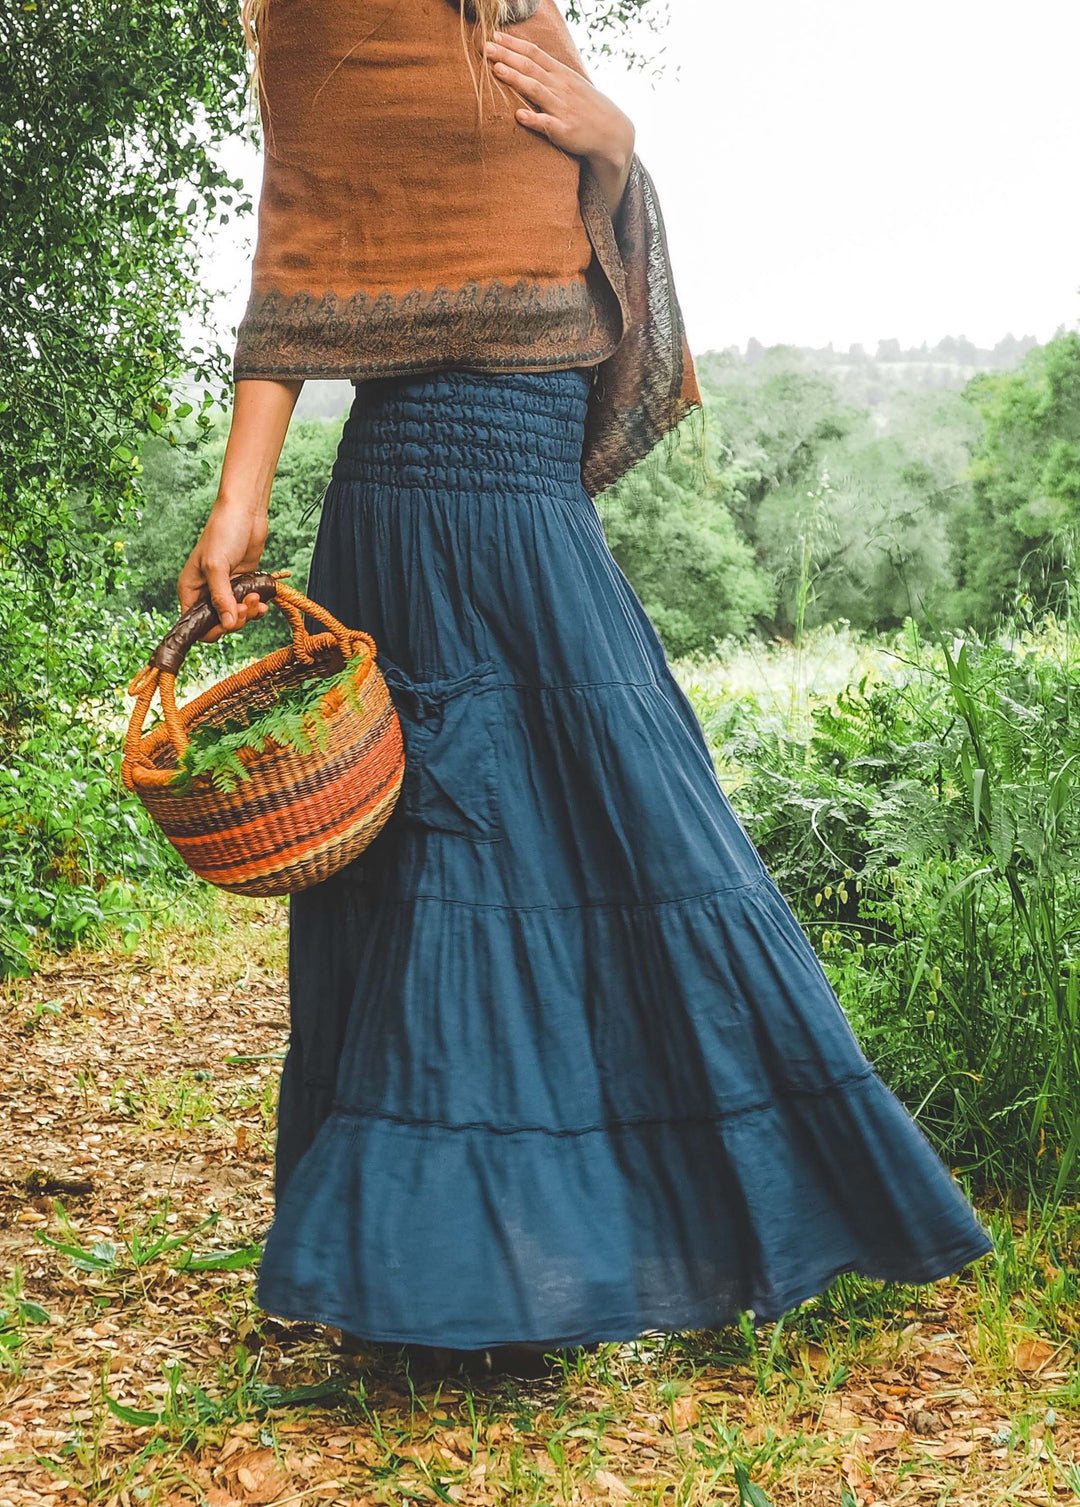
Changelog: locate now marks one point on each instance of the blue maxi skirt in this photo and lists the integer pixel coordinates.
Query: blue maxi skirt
(563, 1065)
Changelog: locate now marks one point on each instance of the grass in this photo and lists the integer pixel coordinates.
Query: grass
(785, 684)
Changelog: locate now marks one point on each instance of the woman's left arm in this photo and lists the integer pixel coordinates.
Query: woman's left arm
(568, 110)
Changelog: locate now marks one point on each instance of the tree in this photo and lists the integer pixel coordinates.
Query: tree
(844, 508)
(670, 528)
(874, 504)
(1015, 540)
(773, 415)
(108, 113)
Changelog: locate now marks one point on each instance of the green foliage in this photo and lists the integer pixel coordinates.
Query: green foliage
(670, 528)
(137, 1250)
(222, 1261)
(874, 510)
(17, 1314)
(608, 22)
(800, 510)
(77, 853)
(927, 831)
(109, 110)
(750, 1495)
(188, 1410)
(1015, 536)
(610, 15)
(844, 510)
(921, 502)
(295, 721)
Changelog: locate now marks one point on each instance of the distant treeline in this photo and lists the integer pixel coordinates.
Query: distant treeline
(953, 350)
(867, 381)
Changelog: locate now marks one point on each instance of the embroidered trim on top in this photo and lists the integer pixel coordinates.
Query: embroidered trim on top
(497, 326)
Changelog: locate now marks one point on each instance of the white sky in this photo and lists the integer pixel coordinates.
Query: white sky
(848, 170)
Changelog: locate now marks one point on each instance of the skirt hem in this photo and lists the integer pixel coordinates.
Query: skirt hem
(621, 1329)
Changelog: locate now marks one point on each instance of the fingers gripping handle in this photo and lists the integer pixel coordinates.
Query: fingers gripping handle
(198, 620)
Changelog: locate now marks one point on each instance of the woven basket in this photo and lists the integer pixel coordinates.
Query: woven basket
(298, 817)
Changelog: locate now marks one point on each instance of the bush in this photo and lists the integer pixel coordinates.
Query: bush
(927, 833)
(78, 854)
(670, 529)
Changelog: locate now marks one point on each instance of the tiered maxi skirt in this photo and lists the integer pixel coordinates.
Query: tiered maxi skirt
(563, 1065)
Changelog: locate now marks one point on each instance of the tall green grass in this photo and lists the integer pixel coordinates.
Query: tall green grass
(924, 822)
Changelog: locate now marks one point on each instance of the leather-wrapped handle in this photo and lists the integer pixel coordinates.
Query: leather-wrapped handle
(198, 620)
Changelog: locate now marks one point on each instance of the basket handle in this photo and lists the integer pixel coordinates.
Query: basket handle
(197, 621)
(160, 674)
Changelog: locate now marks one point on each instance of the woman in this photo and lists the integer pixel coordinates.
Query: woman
(563, 1067)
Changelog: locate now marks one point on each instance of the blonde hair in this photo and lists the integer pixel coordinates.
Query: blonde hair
(250, 14)
(489, 16)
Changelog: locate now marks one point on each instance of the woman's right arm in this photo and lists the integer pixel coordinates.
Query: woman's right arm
(235, 531)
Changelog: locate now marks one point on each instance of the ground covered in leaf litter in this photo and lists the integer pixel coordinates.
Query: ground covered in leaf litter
(135, 1163)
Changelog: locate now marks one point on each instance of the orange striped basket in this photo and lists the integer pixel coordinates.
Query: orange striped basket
(298, 817)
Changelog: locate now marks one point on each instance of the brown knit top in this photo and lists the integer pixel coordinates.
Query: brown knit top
(400, 233)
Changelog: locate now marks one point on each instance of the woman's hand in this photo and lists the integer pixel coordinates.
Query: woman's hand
(235, 532)
(568, 110)
(231, 543)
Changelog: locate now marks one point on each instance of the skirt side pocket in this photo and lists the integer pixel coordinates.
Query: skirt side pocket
(451, 764)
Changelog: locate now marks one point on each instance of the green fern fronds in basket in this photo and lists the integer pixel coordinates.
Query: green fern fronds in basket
(294, 721)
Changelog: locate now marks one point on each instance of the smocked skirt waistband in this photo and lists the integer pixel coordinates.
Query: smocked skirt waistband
(468, 431)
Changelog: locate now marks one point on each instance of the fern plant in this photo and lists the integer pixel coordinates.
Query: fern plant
(295, 721)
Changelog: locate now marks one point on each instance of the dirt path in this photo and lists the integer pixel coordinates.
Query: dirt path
(137, 1133)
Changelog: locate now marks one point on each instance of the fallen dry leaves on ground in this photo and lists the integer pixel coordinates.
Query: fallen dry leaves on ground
(137, 1136)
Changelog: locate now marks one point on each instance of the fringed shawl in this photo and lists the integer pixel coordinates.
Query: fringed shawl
(400, 234)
